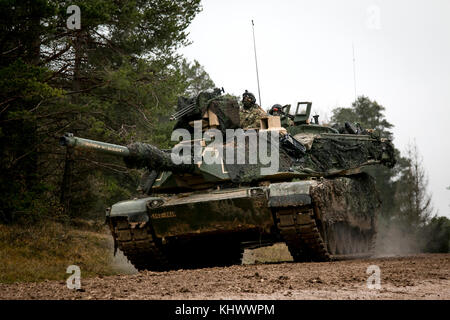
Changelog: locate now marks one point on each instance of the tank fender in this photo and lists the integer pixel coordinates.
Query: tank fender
(287, 194)
(135, 210)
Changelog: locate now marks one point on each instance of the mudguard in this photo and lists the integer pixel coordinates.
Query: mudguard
(135, 210)
(288, 194)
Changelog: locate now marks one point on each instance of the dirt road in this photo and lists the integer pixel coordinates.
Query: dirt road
(411, 277)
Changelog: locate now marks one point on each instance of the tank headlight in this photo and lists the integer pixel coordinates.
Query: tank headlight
(155, 203)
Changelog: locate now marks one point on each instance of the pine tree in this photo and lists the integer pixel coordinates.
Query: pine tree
(436, 235)
(197, 78)
(113, 80)
(370, 115)
(412, 197)
(23, 87)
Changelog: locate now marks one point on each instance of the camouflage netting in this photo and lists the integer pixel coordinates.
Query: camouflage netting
(327, 154)
(143, 155)
(353, 200)
(226, 109)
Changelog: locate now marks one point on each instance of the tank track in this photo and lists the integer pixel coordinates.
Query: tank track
(145, 252)
(302, 236)
(300, 230)
(353, 245)
(138, 245)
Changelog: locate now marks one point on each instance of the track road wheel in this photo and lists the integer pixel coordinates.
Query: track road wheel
(138, 245)
(301, 234)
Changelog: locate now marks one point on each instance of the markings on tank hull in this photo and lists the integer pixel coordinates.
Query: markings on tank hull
(163, 215)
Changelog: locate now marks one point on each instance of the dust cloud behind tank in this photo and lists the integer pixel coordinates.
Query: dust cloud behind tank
(197, 214)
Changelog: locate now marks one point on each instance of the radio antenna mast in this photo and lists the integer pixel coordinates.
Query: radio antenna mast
(354, 71)
(256, 62)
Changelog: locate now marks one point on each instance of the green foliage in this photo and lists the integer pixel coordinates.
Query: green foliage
(366, 112)
(197, 78)
(20, 80)
(369, 114)
(117, 79)
(414, 203)
(437, 235)
(138, 96)
(22, 23)
(22, 88)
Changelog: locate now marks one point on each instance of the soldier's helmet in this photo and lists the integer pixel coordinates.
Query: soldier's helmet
(248, 99)
(276, 110)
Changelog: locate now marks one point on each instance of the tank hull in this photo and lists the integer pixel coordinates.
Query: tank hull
(319, 219)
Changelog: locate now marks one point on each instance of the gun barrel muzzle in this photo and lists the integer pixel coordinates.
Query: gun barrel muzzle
(69, 140)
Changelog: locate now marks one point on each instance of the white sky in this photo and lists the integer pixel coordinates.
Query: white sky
(402, 51)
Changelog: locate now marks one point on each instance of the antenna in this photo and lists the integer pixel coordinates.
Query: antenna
(256, 62)
(354, 71)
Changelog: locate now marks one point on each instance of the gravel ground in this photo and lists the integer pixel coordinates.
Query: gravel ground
(425, 276)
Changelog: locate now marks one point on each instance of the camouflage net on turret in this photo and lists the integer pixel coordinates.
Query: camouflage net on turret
(226, 109)
(327, 156)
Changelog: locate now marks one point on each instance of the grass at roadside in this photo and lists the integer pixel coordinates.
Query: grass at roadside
(275, 253)
(44, 251)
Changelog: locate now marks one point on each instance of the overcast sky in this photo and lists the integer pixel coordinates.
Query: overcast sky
(304, 48)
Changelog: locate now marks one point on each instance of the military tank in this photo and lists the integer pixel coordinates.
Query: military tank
(202, 206)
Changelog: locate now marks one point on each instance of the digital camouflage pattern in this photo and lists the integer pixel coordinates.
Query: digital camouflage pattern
(250, 118)
(251, 113)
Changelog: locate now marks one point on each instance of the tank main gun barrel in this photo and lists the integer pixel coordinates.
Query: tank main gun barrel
(68, 140)
(135, 155)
